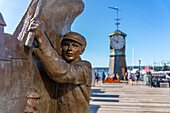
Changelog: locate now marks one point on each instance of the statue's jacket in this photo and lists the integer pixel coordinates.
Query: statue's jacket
(74, 80)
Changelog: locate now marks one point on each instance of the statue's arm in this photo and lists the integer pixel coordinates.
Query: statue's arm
(61, 71)
(56, 68)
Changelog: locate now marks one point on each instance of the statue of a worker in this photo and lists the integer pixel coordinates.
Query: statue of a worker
(72, 73)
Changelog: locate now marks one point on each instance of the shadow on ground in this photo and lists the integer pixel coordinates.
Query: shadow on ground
(99, 93)
(98, 96)
(96, 91)
(109, 96)
(104, 98)
(94, 108)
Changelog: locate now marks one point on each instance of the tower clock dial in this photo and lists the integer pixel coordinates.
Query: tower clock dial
(117, 42)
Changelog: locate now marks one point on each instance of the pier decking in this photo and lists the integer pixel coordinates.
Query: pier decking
(122, 98)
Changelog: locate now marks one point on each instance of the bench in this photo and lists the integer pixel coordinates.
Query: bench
(117, 81)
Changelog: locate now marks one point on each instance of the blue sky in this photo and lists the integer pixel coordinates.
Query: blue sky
(146, 23)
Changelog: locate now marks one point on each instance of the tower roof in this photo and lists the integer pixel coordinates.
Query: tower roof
(2, 22)
(117, 32)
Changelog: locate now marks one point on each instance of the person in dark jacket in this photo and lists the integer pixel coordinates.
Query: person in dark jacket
(103, 77)
(97, 76)
(126, 78)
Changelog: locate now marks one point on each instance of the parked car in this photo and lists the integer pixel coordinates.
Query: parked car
(156, 80)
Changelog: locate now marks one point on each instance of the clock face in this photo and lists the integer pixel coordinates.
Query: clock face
(117, 42)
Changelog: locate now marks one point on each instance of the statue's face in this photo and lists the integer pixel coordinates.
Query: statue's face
(71, 50)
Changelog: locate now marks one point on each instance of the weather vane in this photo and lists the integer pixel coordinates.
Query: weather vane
(118, 19)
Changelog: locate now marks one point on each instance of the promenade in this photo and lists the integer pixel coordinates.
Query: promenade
(122, 98)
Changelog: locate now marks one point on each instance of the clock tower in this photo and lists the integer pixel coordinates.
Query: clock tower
(117, 53)
(117, 50)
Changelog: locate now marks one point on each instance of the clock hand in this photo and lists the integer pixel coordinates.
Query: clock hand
(118, 40)
(115, 40)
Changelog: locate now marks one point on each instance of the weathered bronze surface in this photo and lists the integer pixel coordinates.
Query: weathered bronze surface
(57, 15)
(73, 74)
(62, 86)
(15, 76)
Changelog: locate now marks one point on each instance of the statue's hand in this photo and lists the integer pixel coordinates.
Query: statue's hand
(38, 29)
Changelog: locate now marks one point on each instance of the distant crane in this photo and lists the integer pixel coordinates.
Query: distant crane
(117, 19)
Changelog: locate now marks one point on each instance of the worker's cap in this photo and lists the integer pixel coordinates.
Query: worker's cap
(75, 37)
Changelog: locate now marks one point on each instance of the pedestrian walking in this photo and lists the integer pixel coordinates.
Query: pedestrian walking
(103, 77)
(126, 78)
(137, 76)
(97, 76)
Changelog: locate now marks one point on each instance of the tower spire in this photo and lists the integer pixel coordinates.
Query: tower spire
(117, 19)
(2, 22)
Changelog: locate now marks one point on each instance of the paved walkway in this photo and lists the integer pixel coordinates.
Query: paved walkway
(122, 98)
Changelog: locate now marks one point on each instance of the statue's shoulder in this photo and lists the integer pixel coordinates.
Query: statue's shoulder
(81, 62)
(87, 63)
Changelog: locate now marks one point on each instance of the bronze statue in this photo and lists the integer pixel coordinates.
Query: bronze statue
(73, 74)
(47, 78)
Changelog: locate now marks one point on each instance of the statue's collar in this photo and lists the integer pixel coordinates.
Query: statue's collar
(76, 60)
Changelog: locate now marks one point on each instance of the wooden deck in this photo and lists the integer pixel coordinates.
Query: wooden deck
(122, 98)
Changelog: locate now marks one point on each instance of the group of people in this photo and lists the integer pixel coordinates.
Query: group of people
(132, 77)
(105, 76)
(128, 77)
